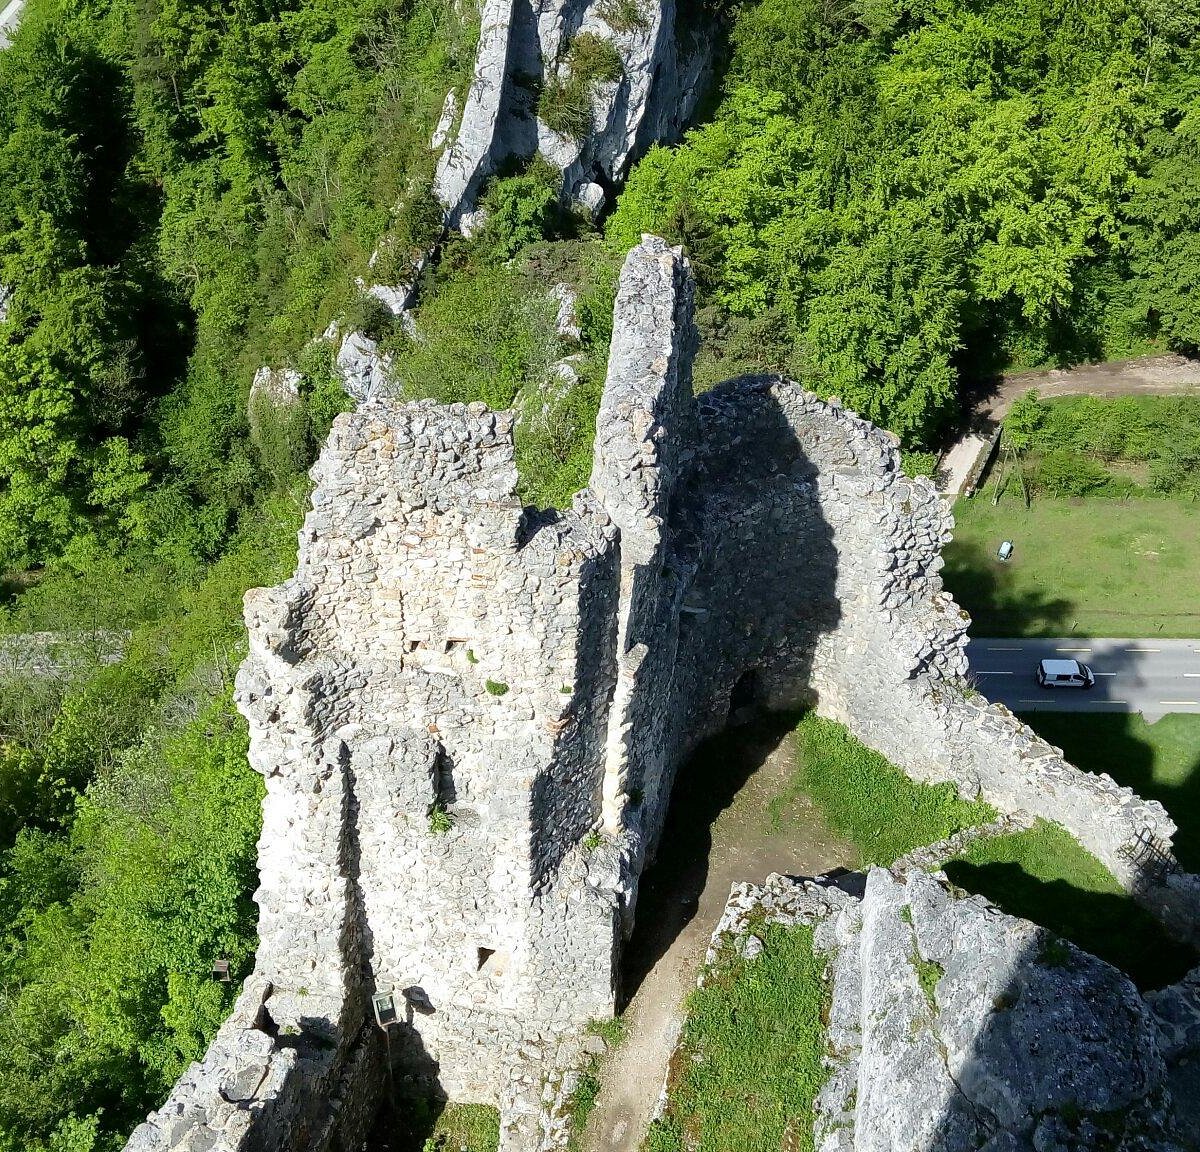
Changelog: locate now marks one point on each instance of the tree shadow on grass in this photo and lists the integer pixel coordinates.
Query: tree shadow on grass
(1108, 742)
(986, 589)
(1108, 925)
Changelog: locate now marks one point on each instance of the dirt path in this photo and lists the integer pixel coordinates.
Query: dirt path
(720, 830)
(1164, 375)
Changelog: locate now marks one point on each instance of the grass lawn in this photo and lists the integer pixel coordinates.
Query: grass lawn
(1043, 875)
(868, 800)
(1159, 761)
(749, 1065)
(1085, 567)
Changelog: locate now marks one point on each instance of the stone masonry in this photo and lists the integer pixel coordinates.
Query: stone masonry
(470, 716)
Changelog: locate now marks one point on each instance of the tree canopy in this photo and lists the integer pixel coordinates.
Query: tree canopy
(931, 190)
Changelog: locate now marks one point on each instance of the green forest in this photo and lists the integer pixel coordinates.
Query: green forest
(893, 195)
(883, 199)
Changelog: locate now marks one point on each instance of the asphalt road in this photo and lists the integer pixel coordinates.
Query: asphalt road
(1152, 677)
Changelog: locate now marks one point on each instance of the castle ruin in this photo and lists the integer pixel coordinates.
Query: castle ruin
(470, 716)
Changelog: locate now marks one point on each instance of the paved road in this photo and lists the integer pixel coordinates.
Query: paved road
(1152, 677)
(10, 13)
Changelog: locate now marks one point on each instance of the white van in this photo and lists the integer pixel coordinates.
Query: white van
(1064, 674)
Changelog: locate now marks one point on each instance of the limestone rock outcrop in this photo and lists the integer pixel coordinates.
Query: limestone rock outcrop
(522, 45)
(955, 1027)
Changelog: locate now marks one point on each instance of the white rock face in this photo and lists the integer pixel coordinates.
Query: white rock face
(280, 386)
(365, 371)
(954, 1027)
(566, 323)
(445, 122)
(465, 164)
(5, 295)
(520, 44)
(10, 17)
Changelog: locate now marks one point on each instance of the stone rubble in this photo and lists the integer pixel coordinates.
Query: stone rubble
(470, 715)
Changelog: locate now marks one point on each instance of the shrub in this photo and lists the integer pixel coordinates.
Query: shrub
(495, 687)
(417, 227)
(1068, 473)
(919, 463)
(279, 430)
(520, 210)
(326, 399)
(623, 15)
(440, 821)
(565, 105)
(483, 333)
(370, 316)
(554, 439)
(593, 59)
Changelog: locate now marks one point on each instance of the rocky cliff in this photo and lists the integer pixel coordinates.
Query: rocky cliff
(525, 46)
(954, 1027)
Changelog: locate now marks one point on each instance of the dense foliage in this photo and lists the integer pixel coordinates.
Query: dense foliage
(1084, 446)
(891, 192)
(888, 194)
(128, 821)
(186, 193)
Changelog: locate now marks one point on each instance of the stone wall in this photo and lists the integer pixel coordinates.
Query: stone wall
(470, 715)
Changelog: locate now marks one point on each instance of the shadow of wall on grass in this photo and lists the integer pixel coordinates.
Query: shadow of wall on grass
(981, 584)
(1110, 743)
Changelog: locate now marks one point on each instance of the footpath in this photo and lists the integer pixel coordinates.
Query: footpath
(711, 841)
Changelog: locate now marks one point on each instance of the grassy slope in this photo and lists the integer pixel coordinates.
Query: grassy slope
(1042, 875)
(1159, 761)
(470, 1126)
(749, 1065)
(1088, 567)
(870, 802)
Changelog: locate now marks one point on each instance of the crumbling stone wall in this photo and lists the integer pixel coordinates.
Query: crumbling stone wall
(470, 715)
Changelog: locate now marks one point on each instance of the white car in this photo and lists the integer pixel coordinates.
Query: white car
(1064, 674)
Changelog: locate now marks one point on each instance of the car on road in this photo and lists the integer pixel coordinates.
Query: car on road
(1064, 674)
